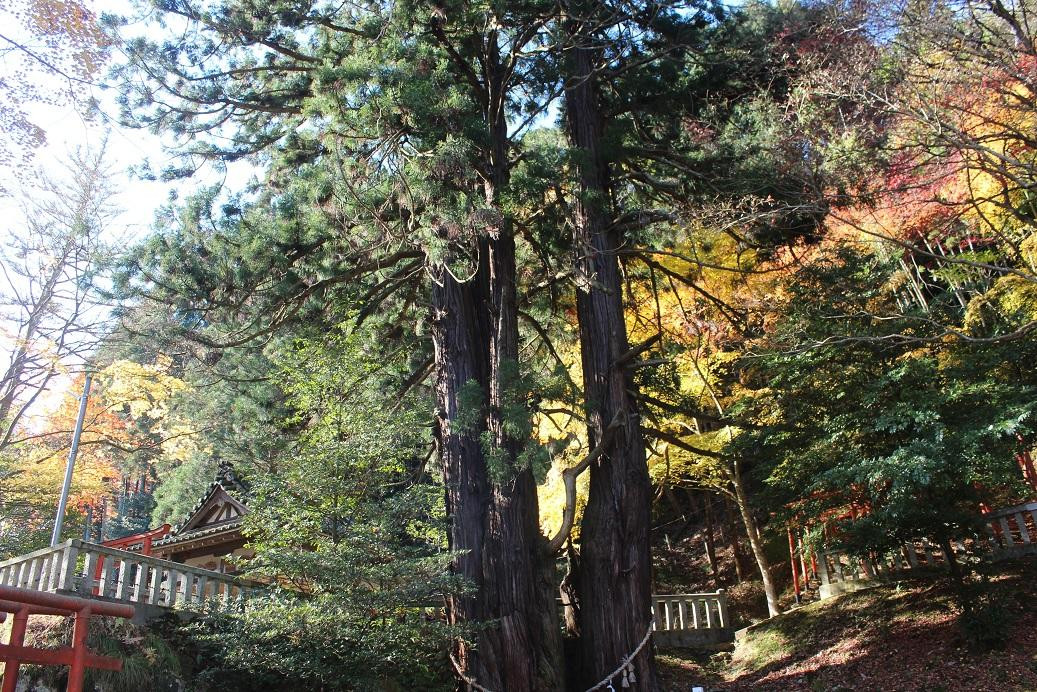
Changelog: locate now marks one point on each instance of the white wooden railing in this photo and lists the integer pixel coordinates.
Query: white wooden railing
(836, 567)
(88, 569)
(691, 619)
(840, 572)
(690, 611)
(1010, 531)
(1013, 529)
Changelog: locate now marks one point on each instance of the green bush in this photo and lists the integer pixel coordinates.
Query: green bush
(149, 662)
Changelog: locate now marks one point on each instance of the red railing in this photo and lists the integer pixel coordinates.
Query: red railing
(24, 602)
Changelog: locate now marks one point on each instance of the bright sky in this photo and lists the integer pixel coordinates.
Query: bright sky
(67, 130)
(137, 200)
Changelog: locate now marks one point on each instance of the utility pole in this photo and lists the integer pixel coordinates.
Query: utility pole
(67, 485)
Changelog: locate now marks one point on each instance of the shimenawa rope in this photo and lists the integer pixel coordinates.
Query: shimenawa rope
(605, 681)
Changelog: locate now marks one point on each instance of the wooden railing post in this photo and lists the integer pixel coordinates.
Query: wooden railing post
(119, 574)
(88, 581)
(156, 585)
(139, 583)
(69, 558)
(1024, 532)
(725, 620)
(125, 566)
(172, 579)
(186, 587)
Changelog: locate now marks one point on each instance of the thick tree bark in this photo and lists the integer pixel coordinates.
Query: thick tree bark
(493, 528)
(615, 580)
(494, 513)
(569, 590)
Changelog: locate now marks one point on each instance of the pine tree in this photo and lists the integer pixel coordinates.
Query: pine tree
(391, 154)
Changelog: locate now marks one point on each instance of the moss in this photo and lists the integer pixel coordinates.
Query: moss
(762, 649)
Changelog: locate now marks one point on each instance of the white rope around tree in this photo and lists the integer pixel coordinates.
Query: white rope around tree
(624, 664)
(607, 681)
(471, 682)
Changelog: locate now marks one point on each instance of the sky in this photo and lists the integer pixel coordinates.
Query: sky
(66, 130)
(136, 201)
(65, 127)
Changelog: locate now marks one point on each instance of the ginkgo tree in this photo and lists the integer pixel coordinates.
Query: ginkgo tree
(124, 428)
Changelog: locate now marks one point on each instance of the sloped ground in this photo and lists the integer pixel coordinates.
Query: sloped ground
(902, 637)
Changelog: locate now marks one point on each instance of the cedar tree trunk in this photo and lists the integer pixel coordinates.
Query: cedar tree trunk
(615, 581)
(494, 513)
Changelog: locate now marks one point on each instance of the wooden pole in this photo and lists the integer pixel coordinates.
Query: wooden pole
(791, 561)
(11, 665)
(802, 559)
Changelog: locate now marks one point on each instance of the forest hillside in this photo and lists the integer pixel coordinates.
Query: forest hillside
(477, 326)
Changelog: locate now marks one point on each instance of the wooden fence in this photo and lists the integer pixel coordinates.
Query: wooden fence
(840, 573)
(1013, 530)
(86, 569)
(1009, 532)
(691, 619)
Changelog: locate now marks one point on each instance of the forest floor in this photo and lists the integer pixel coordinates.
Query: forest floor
(902, 636)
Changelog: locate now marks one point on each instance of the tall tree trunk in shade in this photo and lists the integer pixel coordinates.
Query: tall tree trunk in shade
(493, 527)
(709, 538)
(615, 582)
(494, 513)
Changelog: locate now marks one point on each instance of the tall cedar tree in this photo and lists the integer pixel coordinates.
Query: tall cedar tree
(391, 128)
(614, 587)
(642, 79)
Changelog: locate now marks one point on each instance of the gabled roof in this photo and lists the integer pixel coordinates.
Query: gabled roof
(217, 507)
(220, 507)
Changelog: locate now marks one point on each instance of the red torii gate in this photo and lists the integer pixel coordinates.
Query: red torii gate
(23, 603)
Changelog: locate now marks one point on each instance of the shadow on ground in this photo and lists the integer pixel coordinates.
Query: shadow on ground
(898, 637)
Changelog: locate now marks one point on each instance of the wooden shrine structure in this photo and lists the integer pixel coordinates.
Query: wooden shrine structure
(153, 570)
(209, 537)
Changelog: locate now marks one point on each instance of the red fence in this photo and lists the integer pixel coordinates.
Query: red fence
(23, 602)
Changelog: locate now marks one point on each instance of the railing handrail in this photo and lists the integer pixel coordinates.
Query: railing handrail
(670, 611)
(1030, 506)
(35, 554)
(90, 570)
(701, 594)
(130, 556)
(127, 555)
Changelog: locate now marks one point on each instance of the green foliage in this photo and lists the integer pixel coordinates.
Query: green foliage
(731, 128)
(918, 429)
(471, 405)
(181, 487)
(349, 530)
(320, 643)
(132, 514)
